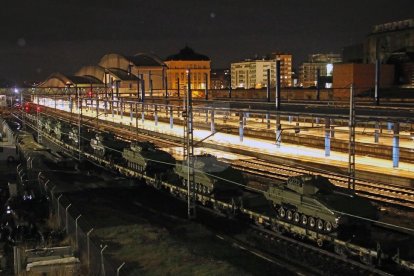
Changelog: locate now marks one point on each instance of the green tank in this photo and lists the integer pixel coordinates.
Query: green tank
(98, 146)
(314, 202)
(47, 125)
(74, 136)
(145, 158)
(212, 176)
(41, 122)
(60, 130)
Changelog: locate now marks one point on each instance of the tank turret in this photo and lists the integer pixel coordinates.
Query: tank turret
(97, 145)
(74, 136)
(48, 125)
(142, 146)
(58, 130)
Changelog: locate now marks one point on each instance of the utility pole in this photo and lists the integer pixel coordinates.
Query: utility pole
(277, 101)
(278, 124)
(97, 107)
(39, 132)
(351, 150)
(318, 84)
(79, 121)
(188, 149)
(377, 81)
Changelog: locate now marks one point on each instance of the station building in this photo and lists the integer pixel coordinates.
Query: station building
(129, 69)
(187, 59)
(120, 75)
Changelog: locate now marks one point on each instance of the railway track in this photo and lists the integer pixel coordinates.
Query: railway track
(379, 192)
(308, 250)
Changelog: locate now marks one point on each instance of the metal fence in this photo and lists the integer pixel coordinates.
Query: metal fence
(89, 249)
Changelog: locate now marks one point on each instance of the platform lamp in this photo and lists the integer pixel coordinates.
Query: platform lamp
(68, 85)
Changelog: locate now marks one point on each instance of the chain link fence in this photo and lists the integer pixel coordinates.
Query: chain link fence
(80, 233)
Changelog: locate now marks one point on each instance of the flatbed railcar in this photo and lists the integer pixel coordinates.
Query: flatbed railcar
(367, 248)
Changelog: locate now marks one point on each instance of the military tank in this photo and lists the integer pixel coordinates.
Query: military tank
(47, 125)
(107, 146)
(73, 136)
(86, 135)
(98, 146)
(212, 177)
(41, 122)
(144, 157)
(60, 130)
(312, 201)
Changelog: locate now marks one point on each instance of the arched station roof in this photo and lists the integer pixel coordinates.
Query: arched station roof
(59, 80)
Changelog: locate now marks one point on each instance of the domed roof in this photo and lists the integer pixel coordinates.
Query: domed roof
(144, 59)
(187, 54)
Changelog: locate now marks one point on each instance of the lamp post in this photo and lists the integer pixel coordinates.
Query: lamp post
(20, 95)
(79, 120)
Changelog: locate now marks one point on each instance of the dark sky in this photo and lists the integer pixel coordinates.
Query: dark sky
(38, 37)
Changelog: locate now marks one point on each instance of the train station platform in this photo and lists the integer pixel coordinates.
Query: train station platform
(370, 165)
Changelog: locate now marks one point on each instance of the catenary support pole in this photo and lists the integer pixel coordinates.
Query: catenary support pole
(377, 81)
(396, 145)
(327, 137)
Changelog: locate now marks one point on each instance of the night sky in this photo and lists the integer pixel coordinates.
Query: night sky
(39, 37)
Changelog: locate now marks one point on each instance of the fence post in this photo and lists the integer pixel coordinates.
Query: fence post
(76, 230)
(102, 260)
(52, 194)
(89, 251)
(67, 220)
(119, 268)
(47, 182)
(58, 208)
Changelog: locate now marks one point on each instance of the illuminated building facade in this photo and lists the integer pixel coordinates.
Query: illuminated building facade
(323, 62)
(220, 78)
(385, 39)
(178, 64)
(393, 43)
(127, 69)
(285, 68)
(253, 73)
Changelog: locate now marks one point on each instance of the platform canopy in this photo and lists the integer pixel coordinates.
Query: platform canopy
(59, 80)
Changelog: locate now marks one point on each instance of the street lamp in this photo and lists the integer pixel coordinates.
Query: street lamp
(20, 93)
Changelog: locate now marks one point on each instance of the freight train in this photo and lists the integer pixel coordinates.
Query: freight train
(309, 201)
(304, 206)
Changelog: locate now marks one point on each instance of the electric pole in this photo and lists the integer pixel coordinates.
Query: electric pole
(188, 150)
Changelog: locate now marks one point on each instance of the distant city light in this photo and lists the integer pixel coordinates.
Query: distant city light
(329, 69)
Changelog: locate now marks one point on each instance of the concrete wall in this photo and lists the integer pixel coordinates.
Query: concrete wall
(286, 94)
